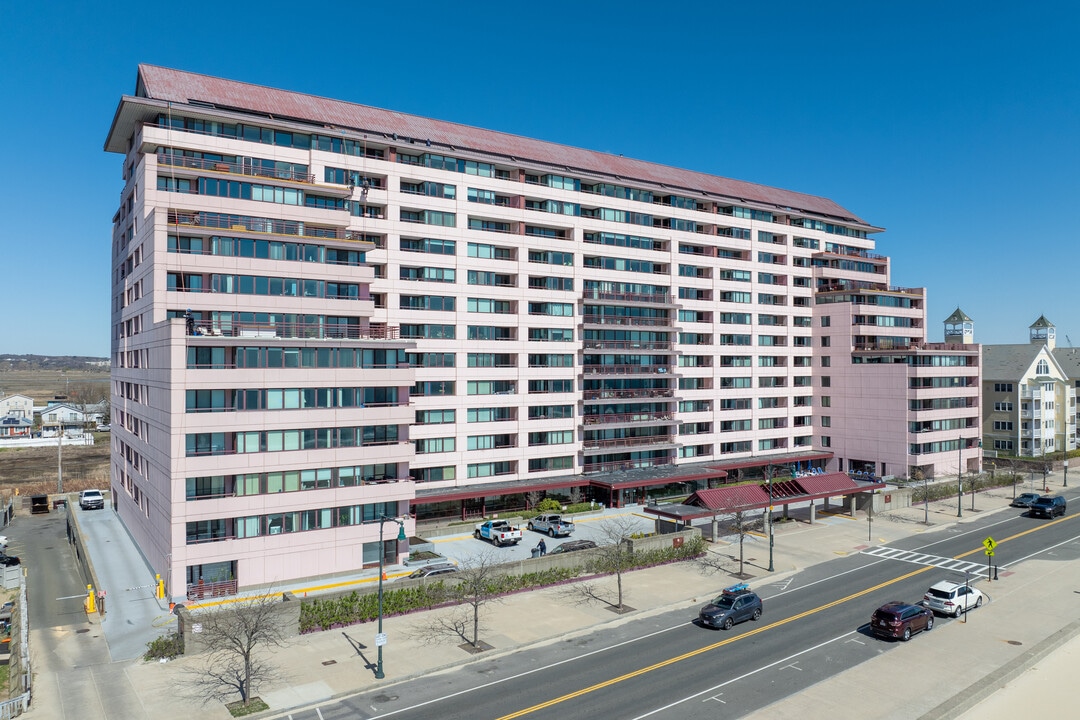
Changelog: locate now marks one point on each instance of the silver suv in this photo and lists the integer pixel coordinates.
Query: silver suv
(949, 598)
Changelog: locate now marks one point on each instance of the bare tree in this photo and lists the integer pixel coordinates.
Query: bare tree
(476, 586)
(612, 558)
(575, 495)
(737, 521)
(235, 638)
(532, 498)
(86, 397)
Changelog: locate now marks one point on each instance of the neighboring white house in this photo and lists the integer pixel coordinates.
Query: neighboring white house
(20, 406)
(63, 415)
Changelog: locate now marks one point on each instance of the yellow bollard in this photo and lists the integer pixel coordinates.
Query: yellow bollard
(160, 587)
(90, 606)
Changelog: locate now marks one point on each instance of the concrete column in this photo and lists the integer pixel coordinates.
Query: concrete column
(786, 512)
(853, 504)
(715, 528)
(813, 509)
(825, 505)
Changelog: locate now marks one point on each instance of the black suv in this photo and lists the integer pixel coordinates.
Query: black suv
(572, 546)
(1047, 506)
(733, 605)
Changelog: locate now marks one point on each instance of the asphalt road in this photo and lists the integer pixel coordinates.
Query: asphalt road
(815, 625)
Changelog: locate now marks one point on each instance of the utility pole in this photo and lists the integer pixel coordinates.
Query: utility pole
(60, 454)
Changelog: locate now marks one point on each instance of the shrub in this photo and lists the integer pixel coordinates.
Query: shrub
(582, 507)
(548, 505)
(166, 647)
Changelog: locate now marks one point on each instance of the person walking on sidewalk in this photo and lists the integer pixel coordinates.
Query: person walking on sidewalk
(542, 547)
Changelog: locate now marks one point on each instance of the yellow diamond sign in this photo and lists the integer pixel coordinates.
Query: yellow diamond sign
(989, 544)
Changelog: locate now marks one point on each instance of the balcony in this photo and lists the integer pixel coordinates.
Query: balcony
(628, 418)
(620, 465)
(283, 330)
(625, 345)
(626, 369)
(626, 321)
(650, 298)
(629, 394)
(235, 168)
(629, 442)
(264, 226)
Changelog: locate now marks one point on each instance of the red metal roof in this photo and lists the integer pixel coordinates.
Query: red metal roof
(751, 497)
(177, 86)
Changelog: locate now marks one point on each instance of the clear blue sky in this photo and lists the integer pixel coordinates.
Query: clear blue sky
(952, 125)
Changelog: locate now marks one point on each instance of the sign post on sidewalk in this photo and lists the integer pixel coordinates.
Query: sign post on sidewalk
(989, 544)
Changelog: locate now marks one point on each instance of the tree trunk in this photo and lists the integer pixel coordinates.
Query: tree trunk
(476, 625)
(742, 538)
(245, 691)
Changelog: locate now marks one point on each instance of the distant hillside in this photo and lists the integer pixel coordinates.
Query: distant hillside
(53, 362)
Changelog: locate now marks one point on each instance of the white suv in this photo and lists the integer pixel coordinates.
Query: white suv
(949, 598)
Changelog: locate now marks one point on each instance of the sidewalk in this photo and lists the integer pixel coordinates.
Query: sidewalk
(321, 666)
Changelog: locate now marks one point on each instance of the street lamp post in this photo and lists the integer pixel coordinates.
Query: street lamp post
(926, 501)
(768, 474)
(960, 477)
(1066, 483)
(974, 481)
(380, 639)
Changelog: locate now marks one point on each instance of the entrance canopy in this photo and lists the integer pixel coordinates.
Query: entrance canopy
(736, 498)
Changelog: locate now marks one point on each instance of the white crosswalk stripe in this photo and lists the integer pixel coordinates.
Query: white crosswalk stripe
(917, 558)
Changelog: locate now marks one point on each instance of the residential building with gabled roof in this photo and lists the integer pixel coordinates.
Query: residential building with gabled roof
(1029, 396)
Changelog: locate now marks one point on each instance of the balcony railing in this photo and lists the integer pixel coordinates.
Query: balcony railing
(270, 226)
(630, 442)
(202, 590)
(640, 393)
(299, 330)
(233, 167)
(625, 369)
(626, 345)
(625, 465)
(618, 320)
(624, 418)
(595, 294)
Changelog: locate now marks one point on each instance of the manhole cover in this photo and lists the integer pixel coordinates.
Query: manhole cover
(1015, 642)
(329, 662)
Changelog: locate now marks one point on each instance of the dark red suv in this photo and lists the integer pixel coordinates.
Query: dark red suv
(901, 620)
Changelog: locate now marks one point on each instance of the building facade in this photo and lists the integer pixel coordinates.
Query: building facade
(536, 319)
(1030, 395)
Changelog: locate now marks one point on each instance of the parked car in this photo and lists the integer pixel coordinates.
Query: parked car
(499, 532)
(1047, 506)
(734, 605)
(1024, 500)
(8, 560)
(572, 546)
(434, 569)
(901, 620)
(949, 598)
(553, 525)
(104, 428)
(91, 500)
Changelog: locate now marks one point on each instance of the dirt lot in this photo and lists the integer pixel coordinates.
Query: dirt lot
(33, 470)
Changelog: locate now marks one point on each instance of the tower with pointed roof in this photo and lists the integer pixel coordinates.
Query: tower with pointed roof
(959, 328)
(1043, 332)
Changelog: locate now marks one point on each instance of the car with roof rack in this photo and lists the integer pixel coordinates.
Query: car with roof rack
(734, 604)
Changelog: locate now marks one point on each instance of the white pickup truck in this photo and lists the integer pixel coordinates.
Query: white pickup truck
(499, 532)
